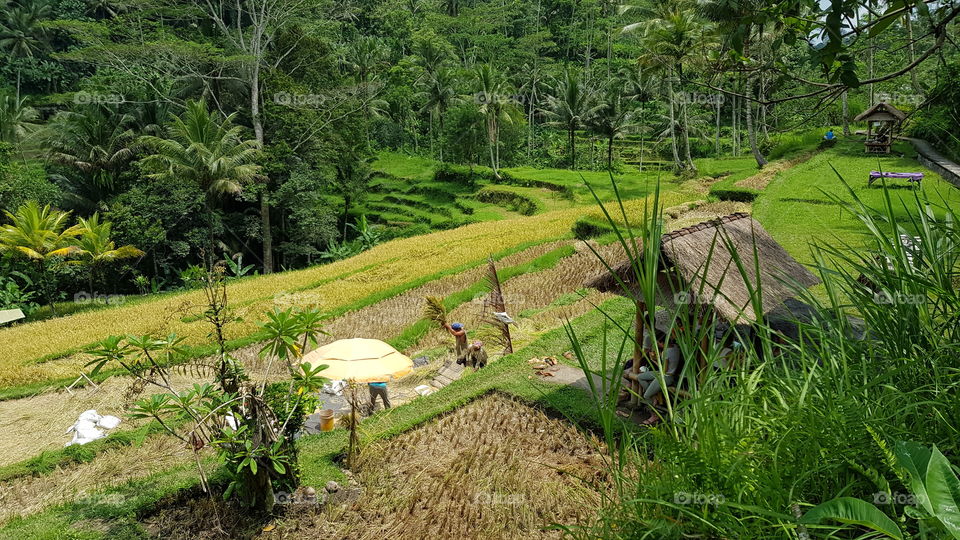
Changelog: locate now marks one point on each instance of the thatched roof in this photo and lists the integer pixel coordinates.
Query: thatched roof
(882, 112)
(710, 274)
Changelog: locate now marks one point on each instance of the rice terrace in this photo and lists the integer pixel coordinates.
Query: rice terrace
(465, 269)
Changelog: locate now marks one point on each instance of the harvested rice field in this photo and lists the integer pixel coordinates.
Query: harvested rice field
(496, 468)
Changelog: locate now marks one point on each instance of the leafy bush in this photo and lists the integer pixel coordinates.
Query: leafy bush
(735, 194)
(586, 228)
(509, 179)
(459, 174)
(511, 199)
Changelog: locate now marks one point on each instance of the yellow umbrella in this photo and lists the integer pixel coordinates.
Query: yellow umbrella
(360, 359)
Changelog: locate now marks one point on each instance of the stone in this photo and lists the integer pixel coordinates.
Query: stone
(420, 361)
(332, 486)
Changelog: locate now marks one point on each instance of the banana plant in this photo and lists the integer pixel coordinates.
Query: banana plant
(236, 266)
(935, 487)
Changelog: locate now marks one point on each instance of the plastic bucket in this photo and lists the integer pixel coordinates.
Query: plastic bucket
(326, 420)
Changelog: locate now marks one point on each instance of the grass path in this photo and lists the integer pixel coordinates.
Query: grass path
(797, 210)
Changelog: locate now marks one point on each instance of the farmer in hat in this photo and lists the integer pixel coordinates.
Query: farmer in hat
(476, 356)
(460, 334)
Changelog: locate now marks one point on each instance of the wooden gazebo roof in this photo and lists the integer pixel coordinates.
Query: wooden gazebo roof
(882, 112)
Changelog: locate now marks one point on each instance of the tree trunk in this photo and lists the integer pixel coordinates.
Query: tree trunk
(686, 141)
(265, 194)
(573, 149)
(642, 126)
(751, 129)
(673, 131)
(717, 142)
(845, 112)
(346, 215)
(267, 234)
(913, 52)
(610, 153)
(491, 140)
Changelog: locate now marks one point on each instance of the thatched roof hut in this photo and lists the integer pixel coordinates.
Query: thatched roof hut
(882, 119)
(698, 266)
(881, 112)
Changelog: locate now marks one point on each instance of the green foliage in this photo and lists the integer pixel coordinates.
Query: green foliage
(511, 199)
(586, 228)
(23, 181)
(746, 439)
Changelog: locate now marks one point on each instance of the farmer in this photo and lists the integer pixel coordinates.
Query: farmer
(378, 389)
(460, 334)
(476, 356)
(830, 136)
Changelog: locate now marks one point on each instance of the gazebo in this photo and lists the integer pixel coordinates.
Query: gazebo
(697, 267)
(883, 121)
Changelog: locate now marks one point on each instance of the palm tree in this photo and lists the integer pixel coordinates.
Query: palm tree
(639, 86)
(95, 141)
(571, 106)
(21, 34)
(672, 36)
(105, 9)
(612, 119)
(39, 235)
(438, 95)
(16, 118)
(95, 248)
(495, 108)
(364, 57)
(204, 150)
(734, 18)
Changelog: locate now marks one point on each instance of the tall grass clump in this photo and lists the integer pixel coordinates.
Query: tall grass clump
(846, 431)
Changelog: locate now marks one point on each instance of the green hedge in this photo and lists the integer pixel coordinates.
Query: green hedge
(725, 190)
(586, 228)
(511, 199)
(509, 179)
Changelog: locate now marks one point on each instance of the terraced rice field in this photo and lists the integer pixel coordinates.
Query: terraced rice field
(493, 469)
(49, 350)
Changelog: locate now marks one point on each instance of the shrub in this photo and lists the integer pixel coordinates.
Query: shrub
(511, 199)
(735, 194)
(586, 228)
(459, 174)
(511, 180)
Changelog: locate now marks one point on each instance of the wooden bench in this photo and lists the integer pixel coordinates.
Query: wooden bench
(909, 176)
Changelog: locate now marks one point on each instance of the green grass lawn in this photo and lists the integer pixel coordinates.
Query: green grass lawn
(796, 207)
